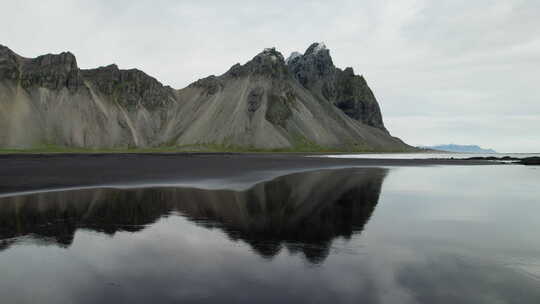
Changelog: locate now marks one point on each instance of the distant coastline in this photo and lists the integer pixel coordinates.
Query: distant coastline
(459, 148)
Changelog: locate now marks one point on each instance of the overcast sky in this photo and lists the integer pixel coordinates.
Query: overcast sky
(456, 71)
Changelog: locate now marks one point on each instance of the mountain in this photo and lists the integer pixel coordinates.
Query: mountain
(460, 148)
(268, 102)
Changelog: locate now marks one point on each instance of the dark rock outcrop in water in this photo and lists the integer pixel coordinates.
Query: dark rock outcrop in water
(531, 161)
(265, 103)
(303, 212)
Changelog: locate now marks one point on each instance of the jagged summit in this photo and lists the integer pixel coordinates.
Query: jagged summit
(53, 71)
(4, 50)
(316, 71)
(272, 52)
(269, 62)
(316, 61)
(316, 48)
(131, 87)
(49, 70)
(112, 66)
(269, 57)
(66, 59)
(9, 63)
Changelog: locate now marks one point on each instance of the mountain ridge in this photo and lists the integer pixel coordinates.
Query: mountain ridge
(460, 148)
(268, 102)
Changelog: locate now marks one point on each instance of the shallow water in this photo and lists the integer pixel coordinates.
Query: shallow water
(439, 155)
(441, 234)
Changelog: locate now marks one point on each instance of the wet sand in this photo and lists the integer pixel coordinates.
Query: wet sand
(36, 172)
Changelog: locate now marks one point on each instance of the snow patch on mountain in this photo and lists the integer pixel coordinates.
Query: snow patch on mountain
(320, 46)
(293, 56)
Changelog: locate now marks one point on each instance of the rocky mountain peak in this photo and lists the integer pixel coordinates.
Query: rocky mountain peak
(4, 50)
(269, 62)
(6, 54)
(64, 60)
(112, 66)
(318, 55)
(130, 87)
(349, 71)
(315, 64)
(9, 63)
(315, 70)
(271, 53)
(52, 71)
(316, 48)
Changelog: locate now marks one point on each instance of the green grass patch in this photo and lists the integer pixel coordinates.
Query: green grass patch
(300, 146)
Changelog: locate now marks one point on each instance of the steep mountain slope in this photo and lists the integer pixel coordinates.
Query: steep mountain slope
(49, 100)
(265, 103)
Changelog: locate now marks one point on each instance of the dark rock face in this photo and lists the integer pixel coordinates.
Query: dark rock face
(312, 67)
(267, 63)
(355, 98)
(51, 71)
(278, 110)
(315, 70)
(129, 87)
(9, 64)
(255, 99)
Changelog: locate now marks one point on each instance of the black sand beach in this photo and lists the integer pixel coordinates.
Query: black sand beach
(140, 228)
(35, 172)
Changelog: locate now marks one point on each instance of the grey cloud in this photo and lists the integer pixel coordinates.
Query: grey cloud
(428, 62)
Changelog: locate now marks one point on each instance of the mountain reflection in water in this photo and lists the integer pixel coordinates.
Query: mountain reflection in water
(303, 212)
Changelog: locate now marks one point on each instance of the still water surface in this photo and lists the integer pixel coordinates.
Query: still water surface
(437, 155)
(373, 235)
